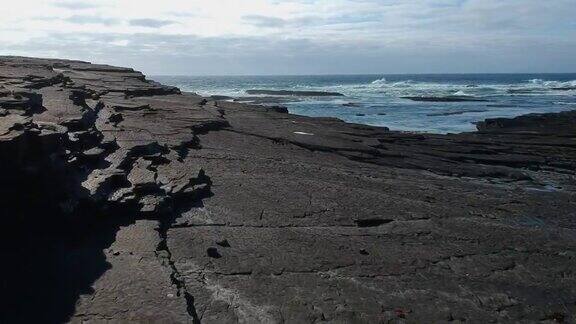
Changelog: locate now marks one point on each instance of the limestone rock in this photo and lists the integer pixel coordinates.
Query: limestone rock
(125, 200)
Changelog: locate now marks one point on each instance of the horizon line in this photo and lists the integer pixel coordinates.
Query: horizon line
(357, 74)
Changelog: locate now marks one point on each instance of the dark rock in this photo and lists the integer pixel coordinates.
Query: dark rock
(115, 119)
(223, 243)
(294, 93)
(564, 88)
(459, 112)
(221, 97)
(130, 106)
(372, 222)
(278, 109)
(445, 99)
(556, 124)
(266, 100)
(114, 186)
(213, 253)
(502, 106)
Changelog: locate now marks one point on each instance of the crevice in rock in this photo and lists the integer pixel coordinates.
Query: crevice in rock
(372, 222)
(184, 148)
(208, 126)
(181, 202)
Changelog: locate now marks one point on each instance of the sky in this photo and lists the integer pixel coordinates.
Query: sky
(250, 37)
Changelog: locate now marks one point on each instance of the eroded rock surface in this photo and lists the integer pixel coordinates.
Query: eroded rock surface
(126, 200)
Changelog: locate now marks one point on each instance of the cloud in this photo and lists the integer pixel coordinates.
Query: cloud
(193, 55)
(151, 23)
(264, 21)
(85, 19)
(75, 5)
(299, 36)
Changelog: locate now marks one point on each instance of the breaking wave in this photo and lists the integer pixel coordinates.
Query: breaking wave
(380, 81)
(384, 100)
(552, 84)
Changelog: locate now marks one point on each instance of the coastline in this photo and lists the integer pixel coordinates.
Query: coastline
(440, 104)
(200, 210)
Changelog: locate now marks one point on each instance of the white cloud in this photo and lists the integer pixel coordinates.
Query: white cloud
(151, 23)
(75, 5)
(348, 31)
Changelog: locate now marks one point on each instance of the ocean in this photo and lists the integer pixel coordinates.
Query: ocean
(381, 100)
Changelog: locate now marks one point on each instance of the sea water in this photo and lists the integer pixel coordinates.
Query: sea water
(379, 100)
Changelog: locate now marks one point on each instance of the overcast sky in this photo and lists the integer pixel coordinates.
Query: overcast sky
(200, 37)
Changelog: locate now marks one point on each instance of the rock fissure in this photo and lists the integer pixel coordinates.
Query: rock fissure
(164, 254)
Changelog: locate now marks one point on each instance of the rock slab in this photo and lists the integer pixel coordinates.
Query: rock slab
(125, 200)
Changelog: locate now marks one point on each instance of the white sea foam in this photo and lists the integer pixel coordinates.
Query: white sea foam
(461, 93)
(380, 103)
(403, 88)
(402, 84)
(536, 81)
(552, 84)
(380, 81)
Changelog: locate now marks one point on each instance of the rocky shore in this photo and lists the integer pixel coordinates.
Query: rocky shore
(127, 200)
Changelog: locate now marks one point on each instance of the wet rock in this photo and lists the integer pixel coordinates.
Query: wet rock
(459, 112)
(446, 99)
(278, 109)
(294, 93)
(564, 88)
(555, 124)
(216, 97)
